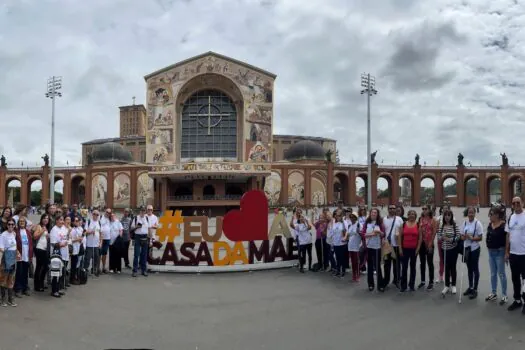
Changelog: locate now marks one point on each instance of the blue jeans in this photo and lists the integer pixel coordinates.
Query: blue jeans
(140, 253)
(497, 267)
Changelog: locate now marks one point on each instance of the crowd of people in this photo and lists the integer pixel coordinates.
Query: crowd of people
(386, 249)
(65, 244)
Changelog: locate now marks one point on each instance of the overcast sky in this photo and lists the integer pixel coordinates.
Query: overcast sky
(449, 73)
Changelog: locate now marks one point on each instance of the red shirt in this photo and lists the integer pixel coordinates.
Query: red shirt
(410, 236)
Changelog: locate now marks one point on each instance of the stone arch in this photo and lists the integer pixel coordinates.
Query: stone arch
(220, 83)
(121, 190)
(318, 190)
(341, 188)
(13, 192)
(493, 188)
(296, 187)
(361, 188)
(515, 186)
(450, 189)
(406, 189)
(471, 189)
(384, 194)
(427, 192)
(34, 199)
(78, 189)
(273, 187)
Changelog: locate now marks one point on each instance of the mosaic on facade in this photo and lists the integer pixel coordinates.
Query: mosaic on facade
(145, 190)
(296, 188)
(258, 153)
(256, 89)
(99, 190)
(318, 190)
(122, 191)
(272, 188)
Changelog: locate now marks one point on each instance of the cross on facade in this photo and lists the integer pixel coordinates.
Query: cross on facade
(209, 115)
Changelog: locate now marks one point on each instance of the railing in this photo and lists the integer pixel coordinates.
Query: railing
(228, 197)
(60, 168)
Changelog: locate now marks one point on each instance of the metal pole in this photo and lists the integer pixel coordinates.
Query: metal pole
(369, 146)
(52, 177)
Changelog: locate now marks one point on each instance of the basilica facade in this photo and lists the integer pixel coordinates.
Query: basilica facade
(205, 137)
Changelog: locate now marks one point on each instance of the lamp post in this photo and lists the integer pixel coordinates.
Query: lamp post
(368, 84)
(54, 84)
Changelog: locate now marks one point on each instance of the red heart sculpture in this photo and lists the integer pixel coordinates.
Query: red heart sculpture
(250, 223)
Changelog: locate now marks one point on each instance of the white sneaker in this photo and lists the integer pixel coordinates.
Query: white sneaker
(454, 290)
(503, 300)
(445, 290)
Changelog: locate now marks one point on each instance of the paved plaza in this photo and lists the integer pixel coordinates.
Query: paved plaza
(279, 309)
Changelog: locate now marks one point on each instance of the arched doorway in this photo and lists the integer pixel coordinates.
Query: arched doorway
(493, 187)
(427, 194)
(34, 186)
(515, 186)
(59, 191)
(208, 192)
(361, 190)
(450, 190)
(384, 190)
(183, 192)
(78, 190)
(341, 188)
(406, 191)
(12, 191)
(471, 188)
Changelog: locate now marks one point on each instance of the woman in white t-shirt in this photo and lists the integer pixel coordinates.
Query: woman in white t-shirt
(8, 263)
(76, 236)
(24, 245)
(41, 237)
(354, 245)
(472, 234)
(115, 245)
(59, 237)
(337, 234)
(301, 228)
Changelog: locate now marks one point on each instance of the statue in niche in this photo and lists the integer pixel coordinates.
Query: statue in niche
(417, 159)
(2, 160)
(46, 160)
(460, 159)
(504, 159)
(328, 155)
(373, 157)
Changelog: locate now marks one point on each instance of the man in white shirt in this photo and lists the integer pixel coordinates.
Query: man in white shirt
(93, 243)
(141, 228)
(393, 225)
(153, 222)
(105, 231)
(515, 252)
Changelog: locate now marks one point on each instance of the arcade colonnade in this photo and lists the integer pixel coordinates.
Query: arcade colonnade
(129, 185)
(343, 187)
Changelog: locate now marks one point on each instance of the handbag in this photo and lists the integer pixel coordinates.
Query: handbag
(386, 246)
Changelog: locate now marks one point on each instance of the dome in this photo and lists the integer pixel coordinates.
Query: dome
(305, 150)
(110, 152)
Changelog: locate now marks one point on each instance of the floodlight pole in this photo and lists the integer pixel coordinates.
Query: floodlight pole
(54, 84)
(368, 83)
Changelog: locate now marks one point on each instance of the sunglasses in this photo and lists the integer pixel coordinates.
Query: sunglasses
(10, 224)
(514, 203)
(95, 214)
(392, 208)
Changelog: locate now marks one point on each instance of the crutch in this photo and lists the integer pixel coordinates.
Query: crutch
(462, 273)
(445, 266)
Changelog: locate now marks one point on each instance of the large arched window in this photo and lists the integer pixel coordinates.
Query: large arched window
(209, 126)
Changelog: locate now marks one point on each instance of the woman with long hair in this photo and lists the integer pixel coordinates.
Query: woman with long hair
(449, 235)
(321, 247)
(59, 237)
(6, 215)
(373, 233)
(472, 234)
(496, 240)
(439, 223)
(10, 256)
(361, 220)
(428, 228)
(41, 238)
(409, 243)
(337, 234)
(24, 245)
(301, 227)
(354, 244)
(77, 235)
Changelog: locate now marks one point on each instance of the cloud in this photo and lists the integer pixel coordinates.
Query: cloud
(448, 72)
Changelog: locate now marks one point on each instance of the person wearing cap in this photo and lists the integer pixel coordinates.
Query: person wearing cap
(140, 228)
(126, 225)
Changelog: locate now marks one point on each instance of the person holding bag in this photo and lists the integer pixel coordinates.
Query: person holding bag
(472, 234)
